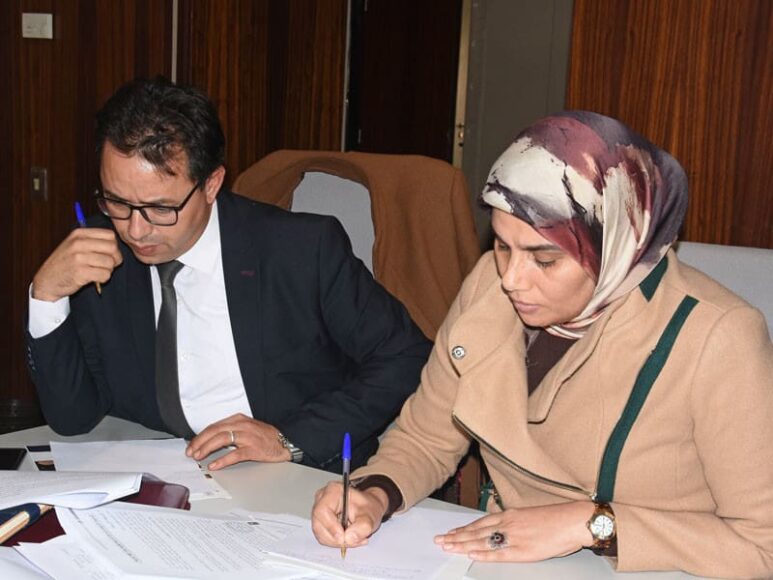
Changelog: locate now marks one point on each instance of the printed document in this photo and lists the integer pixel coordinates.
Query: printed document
(63, 558)
(75, 490)
(149, 540)
(164, 458)
(402, 549)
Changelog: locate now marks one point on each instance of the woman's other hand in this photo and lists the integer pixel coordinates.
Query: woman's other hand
(366, 510)
(531, 534)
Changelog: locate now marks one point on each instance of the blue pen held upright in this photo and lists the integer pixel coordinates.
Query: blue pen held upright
(82, 223)
(346, 457)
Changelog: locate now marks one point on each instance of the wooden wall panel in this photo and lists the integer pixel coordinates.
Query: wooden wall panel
(275, 69)
(404, 66)
(693, 76)
(53, 90)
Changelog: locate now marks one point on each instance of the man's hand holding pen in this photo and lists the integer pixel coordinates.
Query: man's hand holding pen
(87, 255)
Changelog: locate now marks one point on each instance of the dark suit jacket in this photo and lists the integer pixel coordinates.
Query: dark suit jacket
(322, 347)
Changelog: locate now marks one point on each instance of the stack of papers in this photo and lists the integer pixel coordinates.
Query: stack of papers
(403, 548)
(120, 541)
(74, 490)
(163, 458)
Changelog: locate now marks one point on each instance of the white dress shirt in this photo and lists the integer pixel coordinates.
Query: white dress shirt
(211, 386)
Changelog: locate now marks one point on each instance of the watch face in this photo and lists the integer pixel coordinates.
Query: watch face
(602, 527)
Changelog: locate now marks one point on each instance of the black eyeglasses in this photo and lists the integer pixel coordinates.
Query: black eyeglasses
(158, 215)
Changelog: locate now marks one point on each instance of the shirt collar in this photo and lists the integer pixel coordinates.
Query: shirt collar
(204, 254)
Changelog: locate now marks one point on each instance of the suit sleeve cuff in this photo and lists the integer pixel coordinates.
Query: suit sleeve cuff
(45, 317)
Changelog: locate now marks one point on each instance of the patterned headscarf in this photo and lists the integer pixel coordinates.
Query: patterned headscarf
(605, 195)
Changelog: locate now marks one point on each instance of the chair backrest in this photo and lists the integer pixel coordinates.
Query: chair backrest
(746, 271)
(423, 241)
(347, 200)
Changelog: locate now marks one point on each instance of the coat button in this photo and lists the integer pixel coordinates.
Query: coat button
(458, 352)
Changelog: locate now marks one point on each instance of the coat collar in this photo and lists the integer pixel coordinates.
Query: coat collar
(492, 400)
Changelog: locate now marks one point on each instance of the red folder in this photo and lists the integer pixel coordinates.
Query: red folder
(151, 493)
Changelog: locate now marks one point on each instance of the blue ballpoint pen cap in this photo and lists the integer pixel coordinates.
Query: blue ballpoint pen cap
(79, 214)
(347, 452)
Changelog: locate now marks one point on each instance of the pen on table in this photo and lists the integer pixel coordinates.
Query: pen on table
(27, 514)
(82, 223)
(346, 457)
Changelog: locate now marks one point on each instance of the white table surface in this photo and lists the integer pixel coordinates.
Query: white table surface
(289, 488)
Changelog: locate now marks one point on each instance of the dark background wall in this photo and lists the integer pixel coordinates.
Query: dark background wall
(275, 69)
(692, 75)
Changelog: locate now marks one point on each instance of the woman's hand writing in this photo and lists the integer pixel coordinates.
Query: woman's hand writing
(366, 509)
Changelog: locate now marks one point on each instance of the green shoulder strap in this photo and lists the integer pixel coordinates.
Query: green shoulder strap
(641, 388)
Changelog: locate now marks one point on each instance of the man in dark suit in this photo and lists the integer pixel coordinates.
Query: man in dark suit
(209, 315)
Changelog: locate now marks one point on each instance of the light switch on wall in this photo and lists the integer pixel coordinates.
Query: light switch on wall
(39, 183)
(37, 25)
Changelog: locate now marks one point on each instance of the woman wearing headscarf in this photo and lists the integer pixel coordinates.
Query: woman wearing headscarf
(623, 401)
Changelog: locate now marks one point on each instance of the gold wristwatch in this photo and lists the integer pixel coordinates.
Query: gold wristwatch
(602, 527)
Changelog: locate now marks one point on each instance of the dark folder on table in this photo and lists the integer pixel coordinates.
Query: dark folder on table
(151, 492)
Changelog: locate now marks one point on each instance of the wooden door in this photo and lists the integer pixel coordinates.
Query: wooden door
(51, 91)
(274, 69)
(402, 81)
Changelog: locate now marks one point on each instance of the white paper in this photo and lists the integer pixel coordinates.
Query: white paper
(75, 490)
(64, 559)
(14, 566)
(167, 542)
(402, 549)
(164, 458)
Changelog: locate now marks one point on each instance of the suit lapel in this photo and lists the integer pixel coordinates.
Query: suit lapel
(242, 287)
(139, 298)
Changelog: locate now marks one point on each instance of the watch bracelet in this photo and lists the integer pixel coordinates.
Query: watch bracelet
(296, 453)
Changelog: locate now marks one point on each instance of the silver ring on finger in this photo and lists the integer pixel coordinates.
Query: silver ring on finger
(497, 541)
(233, 438)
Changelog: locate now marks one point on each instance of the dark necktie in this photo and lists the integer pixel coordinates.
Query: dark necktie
(167, 384)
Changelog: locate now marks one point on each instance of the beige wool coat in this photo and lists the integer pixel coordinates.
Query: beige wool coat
(694, 488)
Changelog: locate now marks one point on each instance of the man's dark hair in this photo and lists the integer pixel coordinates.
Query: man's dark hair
(158, 120)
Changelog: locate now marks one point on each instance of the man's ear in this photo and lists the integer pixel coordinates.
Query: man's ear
(213, 184)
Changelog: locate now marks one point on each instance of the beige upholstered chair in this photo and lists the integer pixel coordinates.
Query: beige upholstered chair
(422, 243)
(746, 271)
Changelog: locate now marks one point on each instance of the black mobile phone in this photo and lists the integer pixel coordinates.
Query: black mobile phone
(10, 457)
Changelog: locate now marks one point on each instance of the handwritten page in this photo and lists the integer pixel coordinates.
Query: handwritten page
(164, 458)
(402, 549)
(74, 490)
(149, 540)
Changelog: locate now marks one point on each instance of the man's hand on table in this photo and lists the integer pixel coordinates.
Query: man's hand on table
(253, 441)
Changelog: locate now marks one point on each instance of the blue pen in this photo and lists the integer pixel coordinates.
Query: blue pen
(82, 223)
(346, 456)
